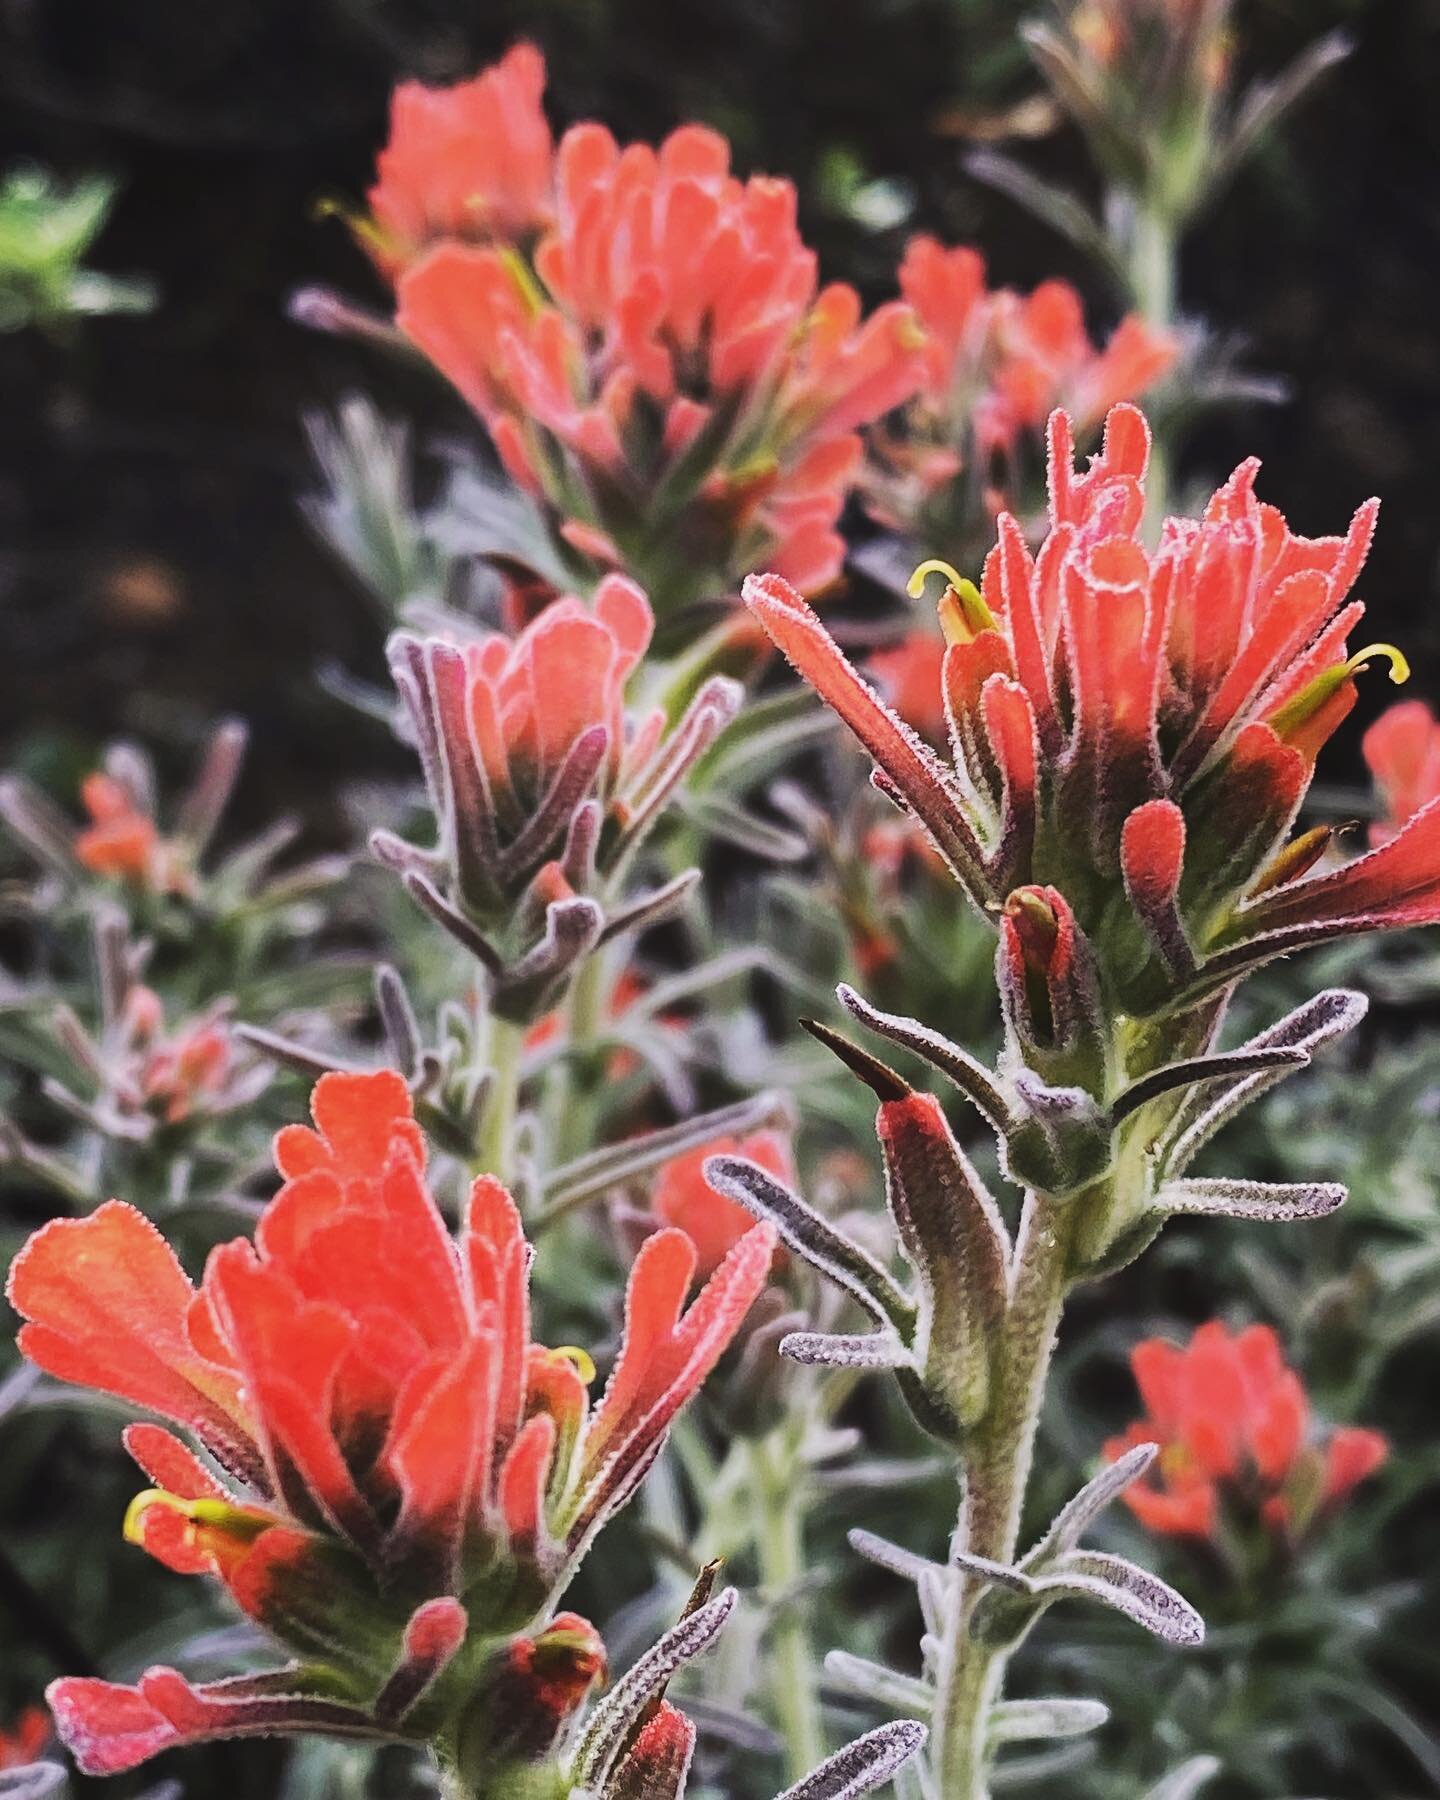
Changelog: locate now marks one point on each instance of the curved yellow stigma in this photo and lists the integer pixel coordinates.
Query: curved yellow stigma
(915, 586)
(1399, 662)
(142, 1503)
(1297, 713)
(962, 609)
(238, 1522)
(579, 1359)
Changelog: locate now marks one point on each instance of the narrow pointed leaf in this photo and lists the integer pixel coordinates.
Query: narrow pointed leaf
(1274, 1202)
(1077, 1515)
(1014, 1721)
(615, 1716)
(863, 1766)
(1203, 1069)
(617, 1164)
(429, 899)
(904, 1563)
(972, 1078)
(1128, 1589)
(814, 1238)
(873, 1681)
(1319, 1021)
(649, 909)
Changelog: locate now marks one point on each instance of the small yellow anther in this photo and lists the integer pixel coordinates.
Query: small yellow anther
(525, 280)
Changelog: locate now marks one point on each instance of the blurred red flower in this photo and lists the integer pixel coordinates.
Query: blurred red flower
(1232, 1422)
(997, 363)
(474, 161)
(661, 371)
(682, 1196)
(1402, 749)
(122, 840)
(22, 1742)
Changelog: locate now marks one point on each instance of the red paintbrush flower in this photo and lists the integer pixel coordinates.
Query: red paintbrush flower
(1142, 721)
(174, 1074)
(997, 363)
(541, 783)
(1402, 750)
(662, 373)
(474, 162)
(380, 1438)
(1232, 1422)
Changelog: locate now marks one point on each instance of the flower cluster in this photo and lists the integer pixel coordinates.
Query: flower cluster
(543, 786)
(996, 365)
(1232, 1422)
(395, 1481)
(642, 332)
(1145, 723)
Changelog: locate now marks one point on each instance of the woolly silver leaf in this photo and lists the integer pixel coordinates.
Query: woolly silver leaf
(1077, 1515)
(1276, 1202)
(1014, 1721)
(863, 1766)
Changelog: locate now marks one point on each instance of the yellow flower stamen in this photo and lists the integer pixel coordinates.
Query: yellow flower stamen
(525, 280)
(361, 226)
(142, 1503)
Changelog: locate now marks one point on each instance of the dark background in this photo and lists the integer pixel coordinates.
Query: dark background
(153, 568)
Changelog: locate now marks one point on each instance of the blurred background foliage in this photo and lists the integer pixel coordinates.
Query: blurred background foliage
(156, 571)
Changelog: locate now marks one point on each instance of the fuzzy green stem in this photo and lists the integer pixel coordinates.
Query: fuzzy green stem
(997, 1466)
(587, 1003)
(497, 1128)
(779, 1495)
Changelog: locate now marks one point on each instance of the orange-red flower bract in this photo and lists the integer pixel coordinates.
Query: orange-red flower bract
(1232, 1421)
(122, 839)
(1138, 728)
(661, 372)
(473, 161)
(996, 364)
(1402, 749)
(380, 1437)
(23, 1741)
(682, 1197)
(540, 781)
